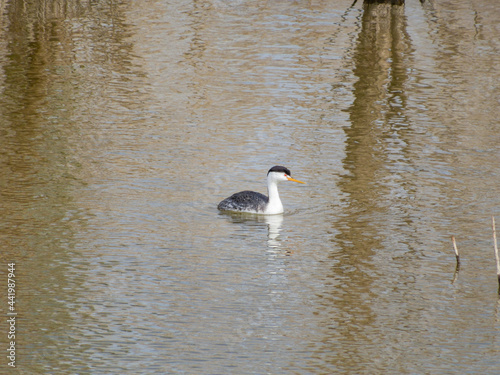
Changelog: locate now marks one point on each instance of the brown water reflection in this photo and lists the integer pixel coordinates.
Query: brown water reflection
(375, 140)
(50, 53)
(122, 124)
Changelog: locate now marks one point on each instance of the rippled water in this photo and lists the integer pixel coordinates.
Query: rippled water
(123, 124)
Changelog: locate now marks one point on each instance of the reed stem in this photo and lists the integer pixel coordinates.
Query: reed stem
(456, 250)
(497, 256)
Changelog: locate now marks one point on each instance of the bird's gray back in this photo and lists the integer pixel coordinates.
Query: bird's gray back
(249, 201)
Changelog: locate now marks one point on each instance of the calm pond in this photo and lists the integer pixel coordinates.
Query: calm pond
(124, 123)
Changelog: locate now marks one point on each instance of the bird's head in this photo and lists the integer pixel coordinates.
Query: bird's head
(279, 173)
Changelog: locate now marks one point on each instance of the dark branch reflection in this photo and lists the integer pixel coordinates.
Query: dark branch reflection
(376, 114)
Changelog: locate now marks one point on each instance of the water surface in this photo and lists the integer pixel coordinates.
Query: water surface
(123, 124)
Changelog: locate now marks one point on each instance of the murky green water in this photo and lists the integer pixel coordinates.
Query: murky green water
(123, 124)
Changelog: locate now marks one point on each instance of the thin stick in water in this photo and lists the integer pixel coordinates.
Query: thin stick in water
(456, 250)
(457, 268)
(496, 250)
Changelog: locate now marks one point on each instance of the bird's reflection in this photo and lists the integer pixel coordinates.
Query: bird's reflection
(273, 222)
(273, 227)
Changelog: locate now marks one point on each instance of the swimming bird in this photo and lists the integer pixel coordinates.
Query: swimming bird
(253, 202)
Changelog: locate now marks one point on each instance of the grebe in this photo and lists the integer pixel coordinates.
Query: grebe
(250, 201)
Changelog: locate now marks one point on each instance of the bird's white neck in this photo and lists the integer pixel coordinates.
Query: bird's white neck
(274, 206)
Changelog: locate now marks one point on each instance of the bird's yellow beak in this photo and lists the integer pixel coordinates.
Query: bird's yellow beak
(293, 179)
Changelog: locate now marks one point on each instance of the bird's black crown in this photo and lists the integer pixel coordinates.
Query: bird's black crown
(279, 168)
